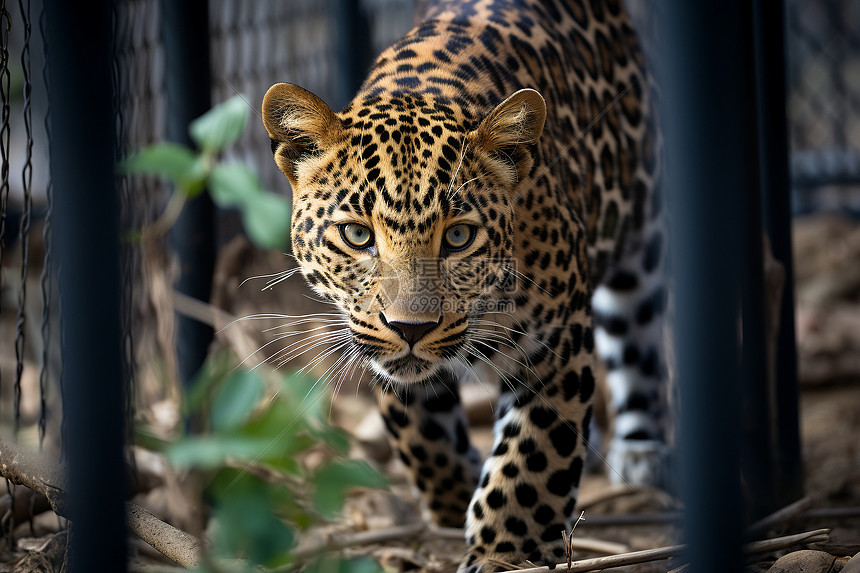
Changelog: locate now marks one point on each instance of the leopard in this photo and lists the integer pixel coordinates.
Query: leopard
(488, 205)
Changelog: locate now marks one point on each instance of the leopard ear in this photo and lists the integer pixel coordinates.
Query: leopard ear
(510, 130)
(299, 125)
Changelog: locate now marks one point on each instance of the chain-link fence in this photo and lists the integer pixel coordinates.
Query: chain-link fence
(254, 44)
(823, 43)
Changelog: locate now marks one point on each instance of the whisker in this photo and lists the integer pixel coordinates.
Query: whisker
(468, 366)
(507, 338)
(324, 375)
(270, 285)
(512, 359)
(274, 316)
(315, 299)
(520, 275)
(285, 349)
(283, 336)
(273, 275)
(326, 323)
(322, 355)
(342, 375)
(456, 171)
(296, 349)
(452, 195)
(503, 376)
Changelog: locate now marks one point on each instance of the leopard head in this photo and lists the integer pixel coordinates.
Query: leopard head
(403, 214)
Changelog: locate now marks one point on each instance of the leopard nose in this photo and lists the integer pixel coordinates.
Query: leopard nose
(412, 332)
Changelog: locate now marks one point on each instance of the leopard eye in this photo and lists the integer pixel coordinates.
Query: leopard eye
(356, 236)
(458, 237)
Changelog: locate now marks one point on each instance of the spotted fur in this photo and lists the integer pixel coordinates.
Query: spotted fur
(526, 127)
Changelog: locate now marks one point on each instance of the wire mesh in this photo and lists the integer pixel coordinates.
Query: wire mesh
(46, 277)
(5, 132)
(823, 42)
(27, 188)
(256, 44)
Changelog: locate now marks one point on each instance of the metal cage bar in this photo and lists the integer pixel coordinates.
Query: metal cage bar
(185, 31)
(82, 164)
(710, 138)
(769, 22)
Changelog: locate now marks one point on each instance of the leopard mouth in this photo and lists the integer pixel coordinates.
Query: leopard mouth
(407, 369)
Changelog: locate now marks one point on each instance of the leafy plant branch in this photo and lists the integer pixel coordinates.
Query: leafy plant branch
(253, 461)
(266, 215)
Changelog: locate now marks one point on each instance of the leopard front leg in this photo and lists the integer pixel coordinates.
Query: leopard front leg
(428, 428)
(529, 484)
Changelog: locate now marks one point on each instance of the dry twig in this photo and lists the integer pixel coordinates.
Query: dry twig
(579, 543)
(180, 547)
(218, 319)
(672, 551)
(675, 517)
(33, 471)
(776, 518)
(338, 542)
(568, 539)
(622, 519)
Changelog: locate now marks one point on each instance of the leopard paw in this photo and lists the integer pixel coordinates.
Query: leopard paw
(474, 562)
(643, 463)
(477, 562)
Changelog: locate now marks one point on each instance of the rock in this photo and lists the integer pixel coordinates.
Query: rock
(760, 567)
(807, 561)
(853, 565)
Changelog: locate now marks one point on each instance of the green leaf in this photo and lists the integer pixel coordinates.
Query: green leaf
(335, 438)
(213, 372)
(245, 522)
(336, 477)
(331, 564)
(286, 427)
(277, 416)
(221, 125)
(267, 221)
(176, 162)
(147, 438)
(308, 391)
(236, 399)
(214, 451)
(232, 184)
(362, 565)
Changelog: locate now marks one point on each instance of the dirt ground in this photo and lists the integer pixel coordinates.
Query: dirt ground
(828, 326)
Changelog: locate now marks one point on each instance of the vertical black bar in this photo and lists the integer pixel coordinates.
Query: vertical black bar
(757, 420)
(773, 151)
(351, 30)
(711, 169)
(757, 425)
(82, 155)
(185, 30)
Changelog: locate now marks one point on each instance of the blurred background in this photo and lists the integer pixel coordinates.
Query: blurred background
(325, 46)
